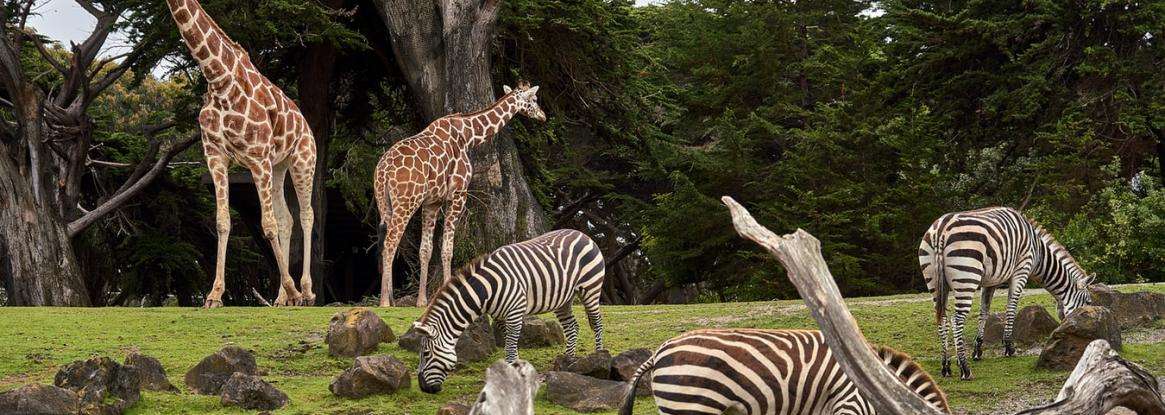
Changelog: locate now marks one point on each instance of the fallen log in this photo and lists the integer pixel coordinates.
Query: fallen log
(509, 390)
(1101, 381)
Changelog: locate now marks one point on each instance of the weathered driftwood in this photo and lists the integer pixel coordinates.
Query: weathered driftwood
(1101, 381)
(509, 390)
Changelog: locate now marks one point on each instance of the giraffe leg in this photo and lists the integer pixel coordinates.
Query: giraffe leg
(283, 219)
(394, 228)
(264, 183)
(428, 222)
(456, 206)
(217, 163)
(984, 310)
(302, 176)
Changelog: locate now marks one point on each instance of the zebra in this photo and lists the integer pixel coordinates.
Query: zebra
(991, 248)
(535, 276)
(757, 371)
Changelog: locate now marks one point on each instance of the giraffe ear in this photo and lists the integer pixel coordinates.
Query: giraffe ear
(533, 90)
(506, 88)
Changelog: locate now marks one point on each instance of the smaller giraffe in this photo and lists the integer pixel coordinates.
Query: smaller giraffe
(431, 170)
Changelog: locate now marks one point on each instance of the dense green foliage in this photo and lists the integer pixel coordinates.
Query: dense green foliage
(858, 121)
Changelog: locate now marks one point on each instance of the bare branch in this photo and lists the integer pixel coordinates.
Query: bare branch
(259, 297)
(52, 60)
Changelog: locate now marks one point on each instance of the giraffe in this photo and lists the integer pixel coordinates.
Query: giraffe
(432, 169)
(247, 119)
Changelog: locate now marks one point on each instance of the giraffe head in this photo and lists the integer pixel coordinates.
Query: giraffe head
(527, 100)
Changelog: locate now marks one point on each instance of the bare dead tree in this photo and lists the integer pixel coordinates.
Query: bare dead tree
(1101, 381)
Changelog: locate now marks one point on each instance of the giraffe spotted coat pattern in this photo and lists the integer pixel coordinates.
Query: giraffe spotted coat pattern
(248, 120)
(431, 170)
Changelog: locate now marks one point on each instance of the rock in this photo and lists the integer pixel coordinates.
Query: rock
(103, 385)
(536, 332)
(584, 393)
(1131, 309)
(509, 389)
(624, 365)
(355, 332)
(1068, 342)
(475, 344)
(153, 375)
(370, 375)
(1032, 326)
(453, 409)
(405, 301)
(596, 365)
(251, 392)
(40, 400)
(208, 376)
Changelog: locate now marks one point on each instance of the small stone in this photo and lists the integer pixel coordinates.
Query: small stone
(536, 332)
(596, 365)
(453, 409)
(39, 399)
(1068, 342)
(208, 376)
(103, 385)
(405, 301)
(584, 393)
(371, 375)
(251, 392)
(153, 375)
(356, 332)
(624, 365)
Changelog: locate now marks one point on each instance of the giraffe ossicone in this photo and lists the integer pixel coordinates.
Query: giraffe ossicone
(246, 119)
(430, 171)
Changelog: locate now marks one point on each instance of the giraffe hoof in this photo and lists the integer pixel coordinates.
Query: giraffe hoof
(212, 303)
(308, 300)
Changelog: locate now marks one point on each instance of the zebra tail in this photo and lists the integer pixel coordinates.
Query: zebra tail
(940, 284)
(629, 400)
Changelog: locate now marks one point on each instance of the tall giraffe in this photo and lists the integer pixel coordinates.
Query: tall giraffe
(247, 119)
(432, 169)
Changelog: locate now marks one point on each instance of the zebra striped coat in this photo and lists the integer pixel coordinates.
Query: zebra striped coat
(536, 276)
(760, 372)
(991, 248)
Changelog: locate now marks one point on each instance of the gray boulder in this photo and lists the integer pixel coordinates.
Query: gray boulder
(153, 375)
(624, 365)
(584, 393)
(1131, 309)
(208, 376)
(103, 385)
(371, 375)
(1033, 325)
(409, 300)
(453, 409)
(1068, 342)
(475, 344)
(596, 365)
(39, 399)
(536, 332)
(355, 332)
(251, 392)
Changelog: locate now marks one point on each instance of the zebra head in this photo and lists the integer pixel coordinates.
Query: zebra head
(437, 358)
(1077, 294)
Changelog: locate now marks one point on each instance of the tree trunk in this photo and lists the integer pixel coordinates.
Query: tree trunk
(443, 50)
(36, 258)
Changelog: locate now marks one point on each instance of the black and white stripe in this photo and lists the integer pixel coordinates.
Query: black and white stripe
(536, 276)
(992, 248)
(760, 372)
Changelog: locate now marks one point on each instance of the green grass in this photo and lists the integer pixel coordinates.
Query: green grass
(37, 341)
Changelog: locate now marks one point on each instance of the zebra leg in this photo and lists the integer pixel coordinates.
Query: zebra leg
(984, 310)
(1017, 283)
(591, 305)
(959, 321)
(946, 356)
(569, 328)
(513, 333)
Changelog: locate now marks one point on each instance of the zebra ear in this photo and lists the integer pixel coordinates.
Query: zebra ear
(423, 329)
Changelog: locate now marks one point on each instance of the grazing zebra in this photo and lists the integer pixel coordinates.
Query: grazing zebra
(536, 276)
(755, 372)
(991, 248)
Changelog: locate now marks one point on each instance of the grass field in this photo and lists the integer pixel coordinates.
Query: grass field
(35, 342)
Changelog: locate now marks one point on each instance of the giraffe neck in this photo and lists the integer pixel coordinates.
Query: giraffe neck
(486, 123)
(217, 55)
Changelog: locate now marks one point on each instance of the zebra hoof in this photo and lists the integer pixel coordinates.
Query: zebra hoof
(977, 355)
(946, 372)
(966, 376)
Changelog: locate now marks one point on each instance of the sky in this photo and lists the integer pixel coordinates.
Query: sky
(65, 21)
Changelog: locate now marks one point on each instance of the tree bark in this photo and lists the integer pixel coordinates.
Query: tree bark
(37, 263)
(442, 48)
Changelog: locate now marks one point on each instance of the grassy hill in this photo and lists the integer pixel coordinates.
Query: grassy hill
(37, 341)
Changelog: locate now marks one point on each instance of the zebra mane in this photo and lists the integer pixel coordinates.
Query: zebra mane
(913, 376)
(460, 274)
(1053, 243)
